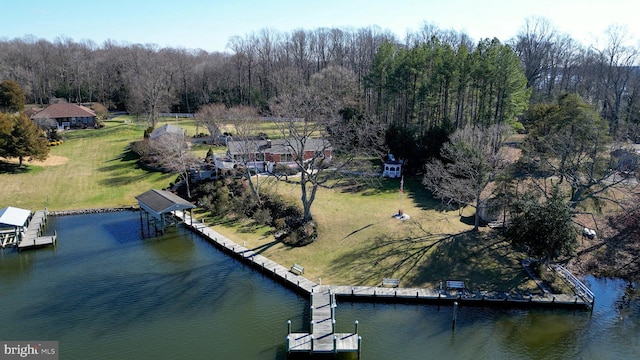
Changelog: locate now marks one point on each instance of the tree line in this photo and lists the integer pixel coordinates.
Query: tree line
(431, 78)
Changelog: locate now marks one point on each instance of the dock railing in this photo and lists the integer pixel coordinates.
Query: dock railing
(580, 287)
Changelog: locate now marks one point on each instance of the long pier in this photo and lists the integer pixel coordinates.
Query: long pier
(322, 338)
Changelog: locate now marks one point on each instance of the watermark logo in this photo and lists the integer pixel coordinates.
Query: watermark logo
(10, 350)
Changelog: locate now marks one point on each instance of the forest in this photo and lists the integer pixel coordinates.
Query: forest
(432, 78)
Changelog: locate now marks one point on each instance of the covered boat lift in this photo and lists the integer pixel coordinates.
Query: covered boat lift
(13, 225)
(158, 206)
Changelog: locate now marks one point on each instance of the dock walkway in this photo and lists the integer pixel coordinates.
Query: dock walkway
(322, 336)
(32, 237)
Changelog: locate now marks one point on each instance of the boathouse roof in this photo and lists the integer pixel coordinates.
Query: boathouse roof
(161, 201)
(14, 216)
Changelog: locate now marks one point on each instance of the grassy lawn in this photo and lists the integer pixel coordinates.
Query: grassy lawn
(91, 169)
(359, 241)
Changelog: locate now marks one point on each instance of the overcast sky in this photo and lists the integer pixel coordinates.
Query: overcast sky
(208, 24)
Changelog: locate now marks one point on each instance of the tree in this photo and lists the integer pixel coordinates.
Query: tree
(533, 45)
(246, 123)
(569, 143)
(213, 117)
(546, 229)
(171, 152)
(151, 83)
(12, 97)
(470, 161)
(25, 140)
(306, 116)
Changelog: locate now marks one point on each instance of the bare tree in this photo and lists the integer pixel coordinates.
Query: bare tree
(619, 60)
(533, 45)
(213, 117)
(150, 81)
(310, 121)
(471, 160)
(171, 152)
(246, 123)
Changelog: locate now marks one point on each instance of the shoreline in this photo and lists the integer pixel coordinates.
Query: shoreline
(92, 211)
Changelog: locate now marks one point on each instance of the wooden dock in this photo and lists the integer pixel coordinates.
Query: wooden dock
(33, 238)
(322, 338)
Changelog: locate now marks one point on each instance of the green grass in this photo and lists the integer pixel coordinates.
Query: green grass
(99, 172)
(359, 241)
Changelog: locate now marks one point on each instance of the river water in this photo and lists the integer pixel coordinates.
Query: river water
(106, 293)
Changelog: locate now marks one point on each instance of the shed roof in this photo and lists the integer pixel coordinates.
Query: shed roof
(64, 110)
(166, 129)
(14, 216)
(161, 201)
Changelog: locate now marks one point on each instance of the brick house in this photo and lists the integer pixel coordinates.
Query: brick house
(67, 115)
(265, 154)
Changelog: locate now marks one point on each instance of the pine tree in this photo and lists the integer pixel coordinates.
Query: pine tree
(12, 97)
(25, 140)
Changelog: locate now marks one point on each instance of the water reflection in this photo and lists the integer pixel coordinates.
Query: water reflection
(107, 293)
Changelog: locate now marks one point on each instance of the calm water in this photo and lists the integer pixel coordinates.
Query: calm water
(105, 293)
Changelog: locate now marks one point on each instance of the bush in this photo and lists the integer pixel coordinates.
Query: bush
(285, 170)
(299, 234)
(262, 216)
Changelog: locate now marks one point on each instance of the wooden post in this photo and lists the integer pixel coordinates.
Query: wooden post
(356, 323)
(455, 313)
(288, 327)
(335, 344)
(288, 345)
(312, 341)
(359, 346)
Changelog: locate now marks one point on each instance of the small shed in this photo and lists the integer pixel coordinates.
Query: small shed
(158, 206)
(13, 222)
(392, 167)
(166, 129)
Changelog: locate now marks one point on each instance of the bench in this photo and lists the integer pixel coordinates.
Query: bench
(390, 282)
(455, 284)
(297, 269)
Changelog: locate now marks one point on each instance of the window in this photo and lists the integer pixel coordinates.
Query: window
(286, 157)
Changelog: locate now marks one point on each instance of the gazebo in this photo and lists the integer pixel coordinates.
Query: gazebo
(13, 222)
(392, 167)
(158, 206)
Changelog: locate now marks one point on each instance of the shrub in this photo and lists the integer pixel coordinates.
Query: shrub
(262, 216)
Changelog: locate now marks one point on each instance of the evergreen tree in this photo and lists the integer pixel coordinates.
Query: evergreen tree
(546, 229)
(24, 140)
(12, 96)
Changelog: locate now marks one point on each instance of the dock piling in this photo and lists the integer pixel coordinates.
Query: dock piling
(455, 313)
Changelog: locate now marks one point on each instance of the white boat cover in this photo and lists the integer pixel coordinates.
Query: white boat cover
(14, 216)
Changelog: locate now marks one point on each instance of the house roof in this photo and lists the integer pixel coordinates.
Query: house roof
(14, 216)
(161, 201)
(64, 110)
(277, 146)
(166, 129)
